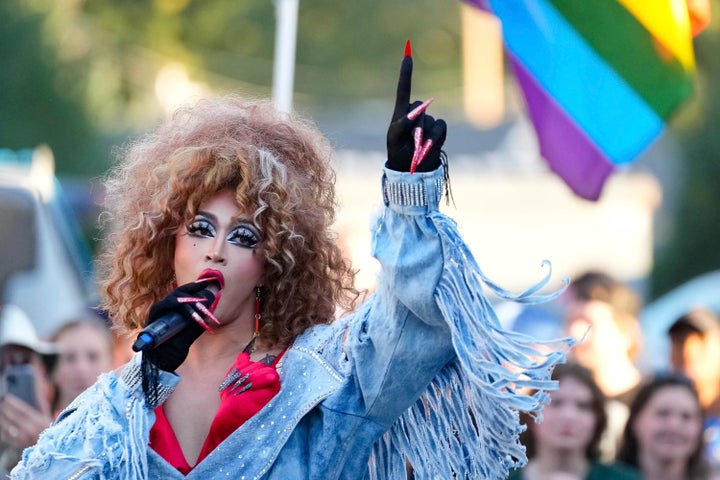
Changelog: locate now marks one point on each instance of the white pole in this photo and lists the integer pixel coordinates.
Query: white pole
(285, 39)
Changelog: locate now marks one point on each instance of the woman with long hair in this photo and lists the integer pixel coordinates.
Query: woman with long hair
(663, 437)
(565, 445)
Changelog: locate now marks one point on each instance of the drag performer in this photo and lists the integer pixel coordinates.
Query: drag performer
(222, 216)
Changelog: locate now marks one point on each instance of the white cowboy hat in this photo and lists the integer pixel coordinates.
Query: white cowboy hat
(17, 329)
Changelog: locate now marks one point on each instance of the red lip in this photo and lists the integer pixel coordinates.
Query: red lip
(210, 275)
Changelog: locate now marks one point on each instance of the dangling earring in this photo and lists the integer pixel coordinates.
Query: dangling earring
(257, 312)
(250, 347)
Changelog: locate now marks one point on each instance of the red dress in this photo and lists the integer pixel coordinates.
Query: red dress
(249, 386)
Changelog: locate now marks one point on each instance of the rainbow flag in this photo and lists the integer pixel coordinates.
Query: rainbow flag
(600, 77)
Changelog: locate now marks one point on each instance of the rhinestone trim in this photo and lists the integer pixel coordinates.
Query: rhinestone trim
(132, 377)
(411, 194)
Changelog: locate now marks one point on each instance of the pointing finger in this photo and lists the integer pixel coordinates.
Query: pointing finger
(402, 99)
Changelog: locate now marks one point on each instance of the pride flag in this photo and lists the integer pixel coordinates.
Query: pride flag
(600, 77)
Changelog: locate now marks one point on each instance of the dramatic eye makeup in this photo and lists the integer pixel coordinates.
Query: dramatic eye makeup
(201, 227)
(242, 234)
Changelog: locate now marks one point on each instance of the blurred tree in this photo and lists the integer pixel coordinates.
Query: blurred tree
(346, 51)
(90, 73)
(37, 104)
(356, 48)
(692, 247)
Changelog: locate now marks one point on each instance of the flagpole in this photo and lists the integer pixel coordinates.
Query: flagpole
(285, 40)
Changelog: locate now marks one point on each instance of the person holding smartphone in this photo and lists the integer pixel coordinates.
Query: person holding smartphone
(25, 386)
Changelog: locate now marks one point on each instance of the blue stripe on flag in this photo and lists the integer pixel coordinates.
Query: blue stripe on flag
(591, 92)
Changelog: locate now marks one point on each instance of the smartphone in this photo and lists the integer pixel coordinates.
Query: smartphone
(20, 381)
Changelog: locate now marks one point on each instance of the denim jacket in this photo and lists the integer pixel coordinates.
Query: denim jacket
(422, 370)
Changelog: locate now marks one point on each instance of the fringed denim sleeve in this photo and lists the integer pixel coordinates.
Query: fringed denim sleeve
(103, 434)
(466, 424)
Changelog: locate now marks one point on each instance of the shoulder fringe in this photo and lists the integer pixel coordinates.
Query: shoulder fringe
(466, 424)
(115, 452)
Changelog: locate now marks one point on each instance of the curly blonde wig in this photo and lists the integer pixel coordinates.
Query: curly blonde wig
(279, 167)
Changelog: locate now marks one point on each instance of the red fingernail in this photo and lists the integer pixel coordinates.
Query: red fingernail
(190, 299)
(200, 321)
(207, 312)
(425, 149)
(417, 138)
(408, 48)
(417, 111)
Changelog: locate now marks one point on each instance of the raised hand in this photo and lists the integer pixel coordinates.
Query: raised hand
(21, 423)
(414, 138)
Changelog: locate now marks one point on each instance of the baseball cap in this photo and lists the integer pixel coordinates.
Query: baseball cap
(701, 320)
(17, 329)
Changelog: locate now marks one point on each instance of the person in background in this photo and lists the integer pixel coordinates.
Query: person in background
(23, 413)
(603, 313)
(695, 352)
(222, 224)
(566, 443)
(85, 347)
(122, 348)
(123, 339)
(663, 437)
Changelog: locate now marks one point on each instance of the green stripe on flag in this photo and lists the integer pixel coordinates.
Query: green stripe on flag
(627, 46)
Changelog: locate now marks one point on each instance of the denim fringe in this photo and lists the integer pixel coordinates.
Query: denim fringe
(121, 454)
(466, 424)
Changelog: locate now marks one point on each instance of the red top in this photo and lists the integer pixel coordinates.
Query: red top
(261, 383)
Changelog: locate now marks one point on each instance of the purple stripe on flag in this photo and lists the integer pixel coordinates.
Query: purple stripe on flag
(567, 149)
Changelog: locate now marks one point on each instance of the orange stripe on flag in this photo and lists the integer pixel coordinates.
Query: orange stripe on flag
(699, 11)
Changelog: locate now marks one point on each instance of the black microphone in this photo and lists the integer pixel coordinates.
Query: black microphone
(167, 326)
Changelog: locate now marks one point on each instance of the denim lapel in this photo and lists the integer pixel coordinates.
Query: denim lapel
(307, 379)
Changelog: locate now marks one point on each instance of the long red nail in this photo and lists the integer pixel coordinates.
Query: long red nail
(200, 321)
(417, 111)
(190, 299)
(425, 149)
(408, 48)
(417, 139)
(207, 312)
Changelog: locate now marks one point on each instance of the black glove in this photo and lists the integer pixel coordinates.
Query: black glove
(172, 353)
(400, 140)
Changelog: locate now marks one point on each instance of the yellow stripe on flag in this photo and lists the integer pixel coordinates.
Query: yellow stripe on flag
(668, 21)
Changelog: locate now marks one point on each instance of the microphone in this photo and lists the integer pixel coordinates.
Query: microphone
(170, 324)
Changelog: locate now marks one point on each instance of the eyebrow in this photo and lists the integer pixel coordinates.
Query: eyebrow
(236, 220)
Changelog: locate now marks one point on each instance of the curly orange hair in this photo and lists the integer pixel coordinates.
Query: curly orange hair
(279, 166)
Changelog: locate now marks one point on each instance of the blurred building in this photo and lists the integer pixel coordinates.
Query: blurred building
(45, 265)
(512, 210)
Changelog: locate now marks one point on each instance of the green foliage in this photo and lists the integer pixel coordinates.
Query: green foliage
(357, 46)
(342, 47)
(36, 106)
(86, 74)
(693, 246)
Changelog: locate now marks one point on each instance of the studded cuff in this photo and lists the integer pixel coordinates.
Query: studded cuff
(413, 190)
